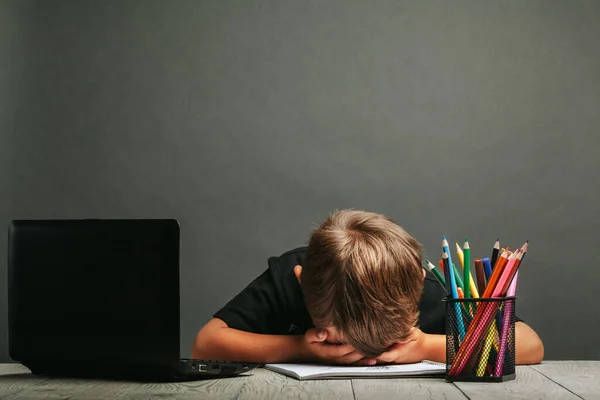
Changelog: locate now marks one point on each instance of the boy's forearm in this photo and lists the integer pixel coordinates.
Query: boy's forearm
(435, 348)
(224, 343)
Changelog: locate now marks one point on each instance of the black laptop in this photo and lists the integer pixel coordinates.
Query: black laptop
(100, 298)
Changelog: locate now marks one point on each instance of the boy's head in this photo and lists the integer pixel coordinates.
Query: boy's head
(362, 276)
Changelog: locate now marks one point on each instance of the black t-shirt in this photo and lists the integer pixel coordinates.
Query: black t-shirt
(273, 302)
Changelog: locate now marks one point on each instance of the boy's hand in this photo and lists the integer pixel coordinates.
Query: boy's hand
(410, 350)
(316, 348)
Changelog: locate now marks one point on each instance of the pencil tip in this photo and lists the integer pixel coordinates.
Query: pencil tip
(497, 239)
(443, 237)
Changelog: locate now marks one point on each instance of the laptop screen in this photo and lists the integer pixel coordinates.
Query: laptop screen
(100, 290)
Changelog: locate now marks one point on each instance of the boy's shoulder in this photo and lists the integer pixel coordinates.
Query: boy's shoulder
(289, 259)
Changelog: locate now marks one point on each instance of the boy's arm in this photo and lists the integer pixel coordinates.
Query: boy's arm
(216, 341)
(528, 345)
(423, 346)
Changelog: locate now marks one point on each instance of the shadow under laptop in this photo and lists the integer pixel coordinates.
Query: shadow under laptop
(27, 379)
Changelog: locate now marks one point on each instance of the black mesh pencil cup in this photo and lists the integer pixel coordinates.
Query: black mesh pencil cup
(480, 339)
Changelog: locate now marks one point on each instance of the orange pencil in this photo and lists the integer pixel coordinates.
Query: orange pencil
(502, 250)
(441, 264)
(461, 295)
(500, 264)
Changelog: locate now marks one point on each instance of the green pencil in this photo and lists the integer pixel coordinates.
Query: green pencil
(467, 268)
(430, 267)
(459, 281)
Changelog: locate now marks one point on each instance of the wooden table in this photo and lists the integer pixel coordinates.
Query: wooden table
(549, 380)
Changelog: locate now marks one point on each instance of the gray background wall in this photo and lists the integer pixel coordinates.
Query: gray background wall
(250, 121)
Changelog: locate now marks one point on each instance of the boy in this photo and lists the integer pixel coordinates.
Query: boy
(356, 295)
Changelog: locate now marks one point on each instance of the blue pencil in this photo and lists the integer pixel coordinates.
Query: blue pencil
(446, 249)
(487, 268)
(454, 294)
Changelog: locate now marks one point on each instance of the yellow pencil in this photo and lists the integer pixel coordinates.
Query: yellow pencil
(487, 347)
(461, 258)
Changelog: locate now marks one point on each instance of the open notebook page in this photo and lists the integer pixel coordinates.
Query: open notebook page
(316, 371)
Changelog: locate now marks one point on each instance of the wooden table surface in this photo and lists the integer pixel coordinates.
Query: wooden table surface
(549, 380)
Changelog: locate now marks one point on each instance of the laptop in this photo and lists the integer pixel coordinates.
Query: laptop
(100, 298)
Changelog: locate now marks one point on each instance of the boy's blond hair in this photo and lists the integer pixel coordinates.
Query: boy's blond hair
(362, 275)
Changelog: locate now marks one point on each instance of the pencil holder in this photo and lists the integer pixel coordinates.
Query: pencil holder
(480, 339)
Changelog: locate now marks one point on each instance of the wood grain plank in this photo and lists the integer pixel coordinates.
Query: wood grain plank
(405, 388)
(82, 389)
(57, 389)
(222, 388)
(536, 382)
(580, 377)
(6, 369)
(16, 377)
(529, 384)
(267, 384)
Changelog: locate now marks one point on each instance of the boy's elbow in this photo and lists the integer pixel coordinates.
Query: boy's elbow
(537, 352)
(198, 346)
(530, 349)
(204, 340)
(534, 354)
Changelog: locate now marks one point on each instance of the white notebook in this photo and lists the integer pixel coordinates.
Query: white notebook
(316, 371)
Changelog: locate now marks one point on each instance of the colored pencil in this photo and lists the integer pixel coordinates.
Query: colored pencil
(487, 267)
(459, 282)
(481, 320)
(460, 255)
(472, 286)
(507, 275)
(480, 275)
(512, 289)
(467, 268)
(502, 250)
(461, 295)
(441, 264)
(496, 273)
(431, 268)
(487, 348)
(506, 326)
(501, 282)
(524, 250)
(499, 290)
(446, 272)
(448, 263)
(484, 317)
(453, 292)
(495, 251)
